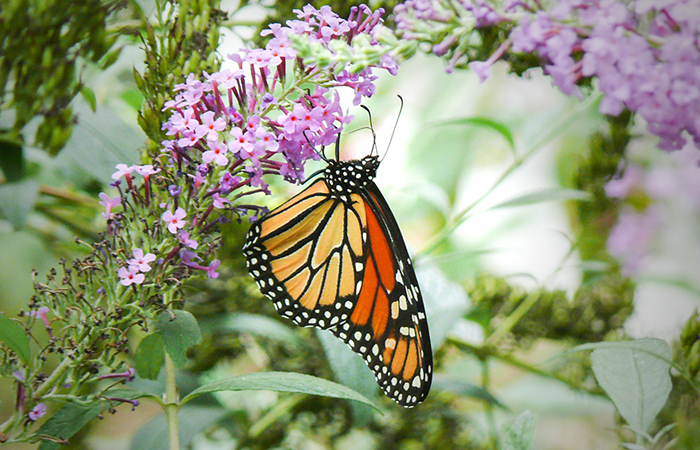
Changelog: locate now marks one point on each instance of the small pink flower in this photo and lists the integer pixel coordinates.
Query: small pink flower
(109, 203)
(42, 313)
(122, 170)
(37, 412)
(140, 261)
(175, 221)
(218, 201)
(130, 276)
(146, 170)
(185, 239)
(217, 154)
(211, 270)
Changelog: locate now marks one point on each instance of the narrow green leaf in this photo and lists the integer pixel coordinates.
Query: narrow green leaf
(519, 435)
(486, 123)
(446, 383)
(635, 375)
(12, 334)
(89, 96)
(17, 201)
(149, 356)
(179, 331)
(544, 195)
(67, 421)
(127, 394)
(281, 382)
(11, 159)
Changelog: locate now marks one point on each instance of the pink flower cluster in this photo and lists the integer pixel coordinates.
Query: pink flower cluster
(645, 55)
(247, 119)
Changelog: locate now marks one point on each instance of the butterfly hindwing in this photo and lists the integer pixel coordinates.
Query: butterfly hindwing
(388, 326)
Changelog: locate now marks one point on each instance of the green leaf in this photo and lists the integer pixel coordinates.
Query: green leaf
(486, 123)
(262, 326)
(179, 331)
(89, 96)
(67, 421)
(445, 301)
(13, 334)
(149, 356)
(447, 383)
(17, 201)
(192, 420)
(519, 435)
(11, 159)
(350, 370)
(635, 375)
(100, 141)
(281, 382)
(544, 195)
(128, 394)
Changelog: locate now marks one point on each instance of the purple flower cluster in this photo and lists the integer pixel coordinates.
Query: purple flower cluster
(644, 54)
(230, 128)
(647, 195)
(446, 25)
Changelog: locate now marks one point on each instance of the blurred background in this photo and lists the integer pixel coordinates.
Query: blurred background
(440, 162)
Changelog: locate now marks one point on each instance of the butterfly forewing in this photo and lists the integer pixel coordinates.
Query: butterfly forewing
(333, 257)
(305, 256)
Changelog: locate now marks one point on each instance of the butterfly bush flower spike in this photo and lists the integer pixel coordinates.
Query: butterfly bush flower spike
(642, 54)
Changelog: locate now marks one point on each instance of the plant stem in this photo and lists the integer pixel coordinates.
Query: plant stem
(171, 403)
(489, 352)
(512, 320)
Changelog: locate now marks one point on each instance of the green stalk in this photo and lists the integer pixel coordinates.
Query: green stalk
(171, 403)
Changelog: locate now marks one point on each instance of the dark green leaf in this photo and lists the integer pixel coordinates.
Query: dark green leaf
(519, 435)
(486, 123)
(281, 382)
(11, 159)
(179, 331)
(67, 421)
(544, 195)
(149, 356)
(14, 336)
(192, 420)
(17, 201)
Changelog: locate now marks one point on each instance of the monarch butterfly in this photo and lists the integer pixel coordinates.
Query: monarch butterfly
(332, 257)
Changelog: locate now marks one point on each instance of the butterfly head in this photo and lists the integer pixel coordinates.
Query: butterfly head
(347, 177)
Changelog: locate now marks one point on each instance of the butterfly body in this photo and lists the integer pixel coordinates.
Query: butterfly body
(333, 257)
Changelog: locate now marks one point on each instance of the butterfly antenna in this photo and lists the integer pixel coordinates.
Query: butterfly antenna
(371, 127)
(391, 138)
(322, 153)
